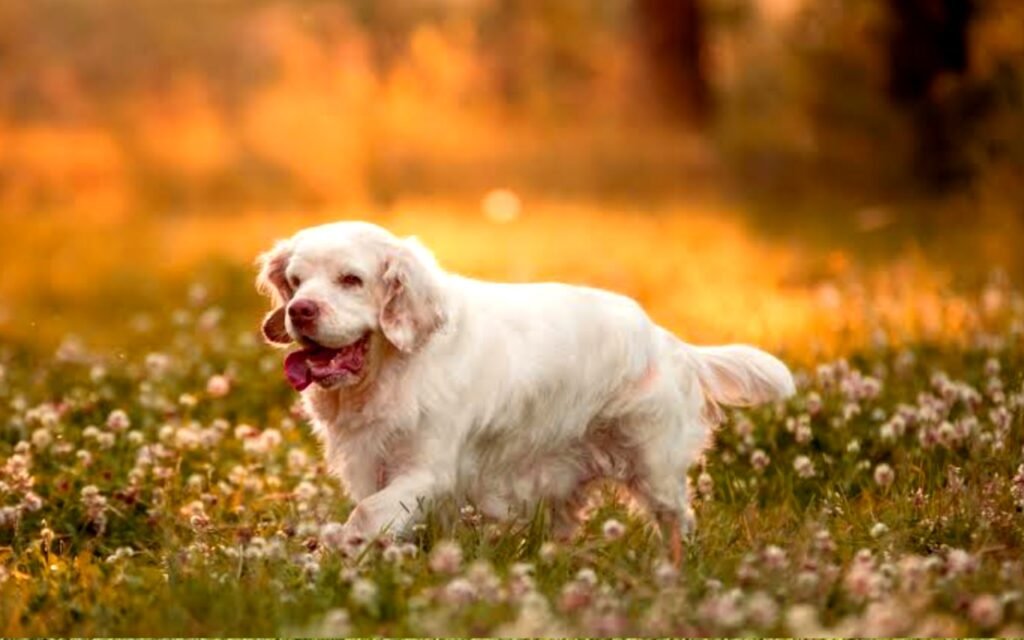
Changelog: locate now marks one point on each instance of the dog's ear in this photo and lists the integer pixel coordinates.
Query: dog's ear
(413, 306)
(272, 282)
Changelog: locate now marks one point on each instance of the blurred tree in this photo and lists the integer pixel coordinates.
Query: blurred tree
(673, 39)
(928, 54)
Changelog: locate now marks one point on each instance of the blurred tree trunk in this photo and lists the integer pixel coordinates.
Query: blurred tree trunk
(928, 51)
(672, 33)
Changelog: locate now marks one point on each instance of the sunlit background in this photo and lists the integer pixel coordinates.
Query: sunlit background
(813, 176)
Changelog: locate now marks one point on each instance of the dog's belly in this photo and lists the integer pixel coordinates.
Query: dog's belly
(505, 481)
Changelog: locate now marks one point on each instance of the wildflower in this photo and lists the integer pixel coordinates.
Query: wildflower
(813, 403)
(364, 592)
(332, 535)
(613, 529)
(31, 501)
(446, 557)
(823, 542)
(460, 591)
(884, 476)
(106, 440)
(959, 562)
(218, 386)
(157, 364)
(862, 581)
(548, 551)
(879, 529)
(118, 421)
(803, 467)
(95, 506)
(586, 576)
(853, 446)
(575, 595)
(803, 433)
(986, 611)
(775, 558)
(336, 623)
(762, 610)
(42, 438)
(992, 367)
(759, 460)
(722, 610)
(9, 517)
(665, 574)
(705, 485)
(304, 491)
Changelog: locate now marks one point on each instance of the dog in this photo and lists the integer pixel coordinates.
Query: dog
(424, 384)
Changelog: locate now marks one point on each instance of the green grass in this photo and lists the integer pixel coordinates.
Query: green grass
(219, 525)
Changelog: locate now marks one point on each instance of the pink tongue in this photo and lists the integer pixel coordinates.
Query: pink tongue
(306, 366)
(296, 369)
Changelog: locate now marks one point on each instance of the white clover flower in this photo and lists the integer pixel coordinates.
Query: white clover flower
(460, 591)
(613, 529)
(305, 491)
(9, 517)
(336, 624)
(813, 403)
(803, 467)
(762, 610)
(332, 535)
(548, 551)
(157, 364)
(446, 557)
(665, 574)
(218, 386)
(118, 420)
(879, 529)
(245, 431)
(705, 485)
(364, 592)
(759, 460)
(959, 562)
(31, 501)
(775, 558)
(986, 611)
(884, 475)
(42, 438)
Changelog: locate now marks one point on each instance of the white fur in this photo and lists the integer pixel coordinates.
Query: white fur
(518, 393)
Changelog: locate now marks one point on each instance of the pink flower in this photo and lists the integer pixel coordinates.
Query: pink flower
(759, 460)
(218, 386)
(446, 557)
(118, 420)
(613, 529)
(986, 611)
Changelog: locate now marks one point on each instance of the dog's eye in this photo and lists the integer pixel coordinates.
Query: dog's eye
(350, 280)
(295, 281)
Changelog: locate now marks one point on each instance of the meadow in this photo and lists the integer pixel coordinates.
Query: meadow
(157, 475)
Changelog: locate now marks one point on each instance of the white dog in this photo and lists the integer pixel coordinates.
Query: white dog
(423, 384)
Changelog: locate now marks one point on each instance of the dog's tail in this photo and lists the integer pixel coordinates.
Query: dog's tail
(740, 376)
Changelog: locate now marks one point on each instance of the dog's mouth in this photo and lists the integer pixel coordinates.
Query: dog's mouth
(324, 365)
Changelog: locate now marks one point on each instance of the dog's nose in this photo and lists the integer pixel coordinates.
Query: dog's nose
(303, 311)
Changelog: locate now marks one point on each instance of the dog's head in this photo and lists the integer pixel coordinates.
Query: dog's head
(350, 294)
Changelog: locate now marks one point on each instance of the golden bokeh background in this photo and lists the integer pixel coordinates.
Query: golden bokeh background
(813, 177)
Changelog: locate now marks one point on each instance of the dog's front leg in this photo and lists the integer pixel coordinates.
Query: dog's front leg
(392, 509)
